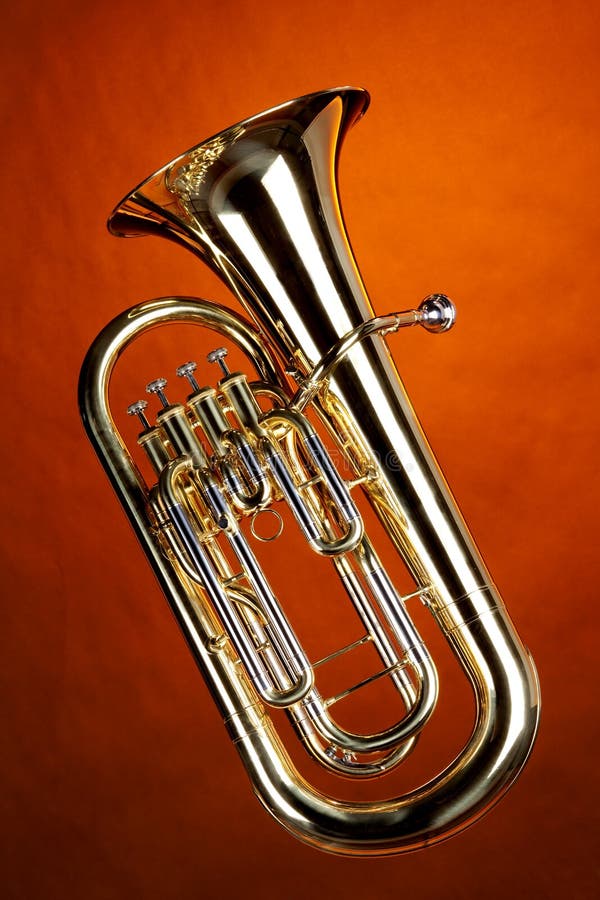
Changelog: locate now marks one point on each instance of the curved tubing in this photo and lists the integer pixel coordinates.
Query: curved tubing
(240, 497)
(219, 597)
(476, 626)
(337, 489)
(507, 715)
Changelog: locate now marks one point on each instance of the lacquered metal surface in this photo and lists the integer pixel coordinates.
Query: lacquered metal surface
(259, 204)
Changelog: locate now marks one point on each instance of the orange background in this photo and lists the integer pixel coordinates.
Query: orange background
(474, 172)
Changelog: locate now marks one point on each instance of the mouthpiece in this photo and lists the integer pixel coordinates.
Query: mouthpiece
(437, 313)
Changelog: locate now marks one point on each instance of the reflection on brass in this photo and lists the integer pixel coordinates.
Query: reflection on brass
(259, 205)
(186, 177)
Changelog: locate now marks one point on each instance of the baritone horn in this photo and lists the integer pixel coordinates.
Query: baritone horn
(259, 204)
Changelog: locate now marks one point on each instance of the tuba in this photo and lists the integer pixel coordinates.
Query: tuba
(321, 434)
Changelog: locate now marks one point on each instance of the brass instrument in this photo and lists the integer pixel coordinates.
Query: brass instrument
(259, 204)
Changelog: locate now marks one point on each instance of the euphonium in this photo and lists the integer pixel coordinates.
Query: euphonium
(258, 203)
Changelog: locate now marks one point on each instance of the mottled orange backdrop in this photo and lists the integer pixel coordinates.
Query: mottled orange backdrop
(475, 172)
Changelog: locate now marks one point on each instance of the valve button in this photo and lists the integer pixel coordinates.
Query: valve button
(187, 371)
(137, 409)
(218, 356)
(156, 387)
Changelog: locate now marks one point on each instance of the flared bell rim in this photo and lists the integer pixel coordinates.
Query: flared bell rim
(356, 99)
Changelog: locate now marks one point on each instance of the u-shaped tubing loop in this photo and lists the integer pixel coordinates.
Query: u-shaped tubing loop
(507, 716)
(335, 485)
(241, 498)
(283, 635)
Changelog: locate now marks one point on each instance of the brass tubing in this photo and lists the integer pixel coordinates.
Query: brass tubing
(436, 313)
(336, 487)
(350, 768)
(242, 498)
(464, 791)
(477, 627)
(209, 578)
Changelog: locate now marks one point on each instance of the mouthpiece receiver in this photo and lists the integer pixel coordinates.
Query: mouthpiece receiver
(437, 313)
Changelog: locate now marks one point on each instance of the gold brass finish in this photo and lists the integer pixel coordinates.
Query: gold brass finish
(258, 203)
